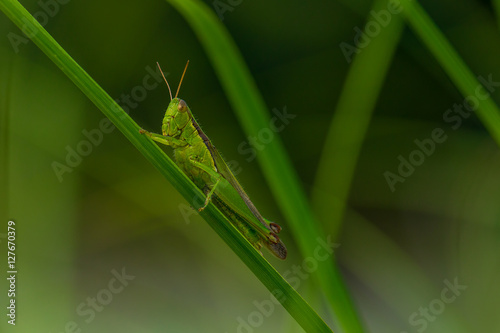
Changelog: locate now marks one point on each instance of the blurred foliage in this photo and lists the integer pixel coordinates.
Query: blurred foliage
(114, 210)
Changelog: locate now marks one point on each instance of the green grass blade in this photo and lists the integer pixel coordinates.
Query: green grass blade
(351, 119)
(283, 181)
(496, 5)
(289, 298)
(463, 78)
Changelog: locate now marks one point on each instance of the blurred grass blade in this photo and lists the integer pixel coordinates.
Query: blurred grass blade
(496, 5)
(351, 119)
(394, 275)
(453, 65)
(253, 116)
(291, 300)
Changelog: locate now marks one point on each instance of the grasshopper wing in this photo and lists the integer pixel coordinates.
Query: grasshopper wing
(224, 170)
(270, 230)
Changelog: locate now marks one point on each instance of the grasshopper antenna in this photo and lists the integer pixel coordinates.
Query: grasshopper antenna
(169, 91)
(182, 77)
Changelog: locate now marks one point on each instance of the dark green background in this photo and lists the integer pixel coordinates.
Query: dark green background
(115, 211)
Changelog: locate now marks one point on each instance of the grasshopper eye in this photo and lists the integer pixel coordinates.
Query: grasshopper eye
(182, 106)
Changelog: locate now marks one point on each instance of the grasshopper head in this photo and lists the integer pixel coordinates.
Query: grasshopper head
(178, 114)
(176, 117)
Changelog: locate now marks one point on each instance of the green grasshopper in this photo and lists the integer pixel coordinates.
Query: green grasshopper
(201, 162)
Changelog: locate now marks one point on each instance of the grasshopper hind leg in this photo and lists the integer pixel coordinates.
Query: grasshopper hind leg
(215, 176)
(209, 193)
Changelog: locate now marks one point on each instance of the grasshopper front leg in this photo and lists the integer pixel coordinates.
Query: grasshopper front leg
(166, 140)
(216, 176)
